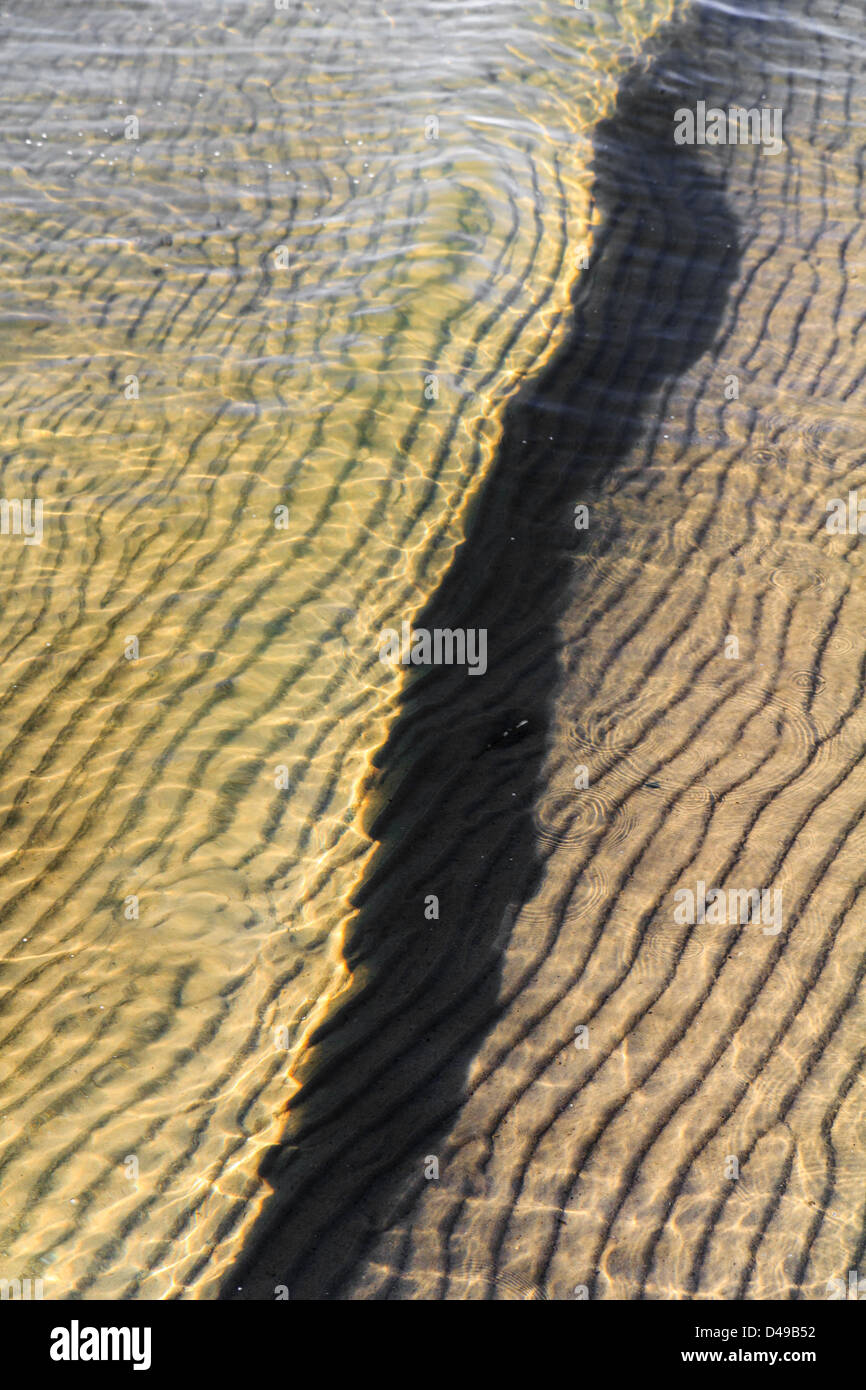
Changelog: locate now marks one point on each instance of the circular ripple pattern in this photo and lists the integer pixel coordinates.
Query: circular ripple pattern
(569, 818)
(809, 681)
(837, 644)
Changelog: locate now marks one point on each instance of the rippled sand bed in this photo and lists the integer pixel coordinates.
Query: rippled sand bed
(331, 979)
(270, 278)
(563, 1086)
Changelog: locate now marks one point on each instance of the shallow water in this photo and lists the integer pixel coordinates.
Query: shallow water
(232, 258)
(312, 277)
